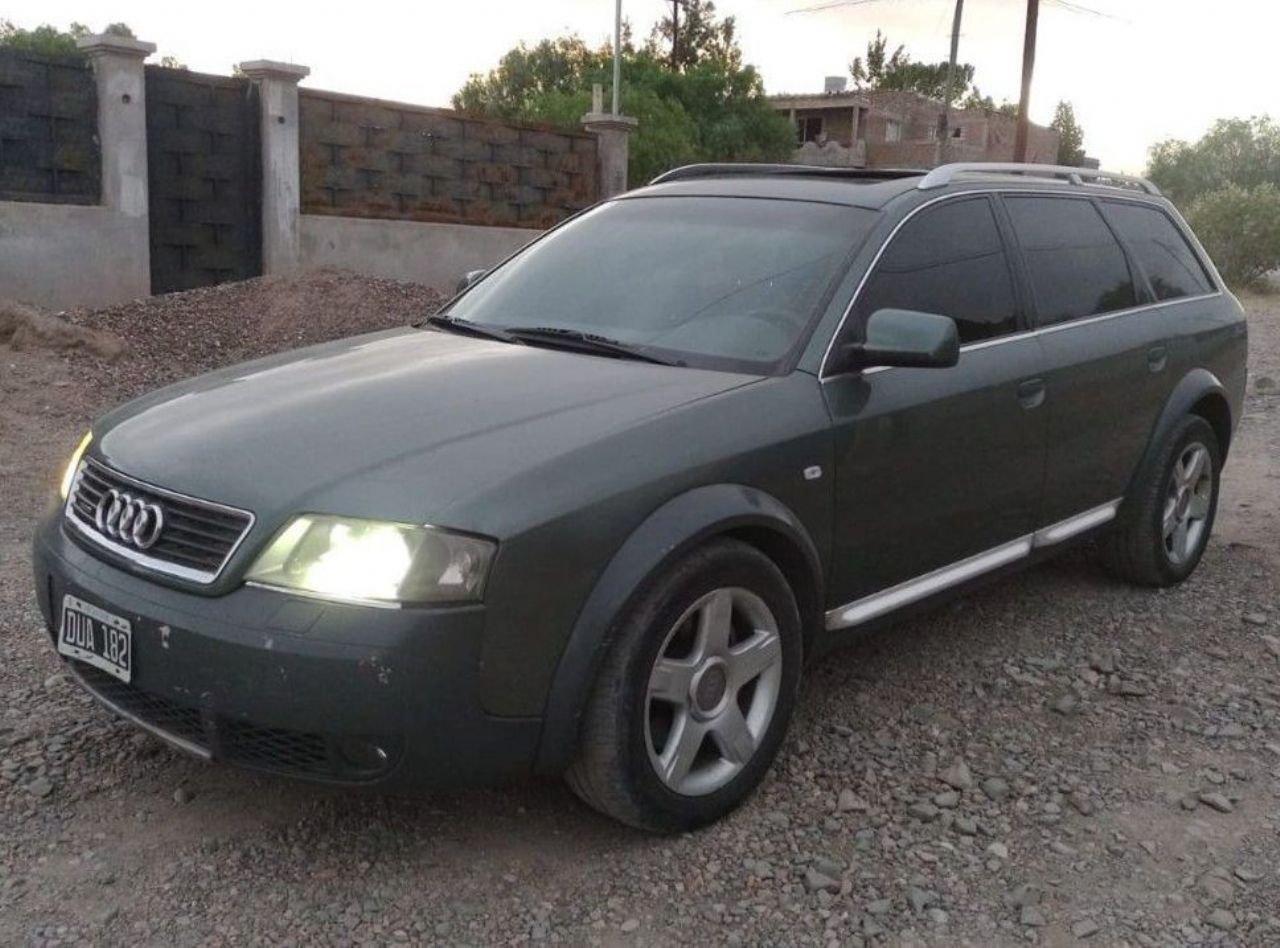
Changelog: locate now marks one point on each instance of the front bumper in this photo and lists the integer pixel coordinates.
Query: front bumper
(324, 691)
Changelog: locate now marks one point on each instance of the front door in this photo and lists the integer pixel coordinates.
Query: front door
(939, 471)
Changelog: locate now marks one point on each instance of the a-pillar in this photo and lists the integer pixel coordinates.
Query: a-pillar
(281, 178)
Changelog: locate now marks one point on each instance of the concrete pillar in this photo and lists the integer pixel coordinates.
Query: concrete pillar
(612, 132)
(281, 178)
(122, 138)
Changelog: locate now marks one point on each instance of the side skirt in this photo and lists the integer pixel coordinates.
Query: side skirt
(913, 590)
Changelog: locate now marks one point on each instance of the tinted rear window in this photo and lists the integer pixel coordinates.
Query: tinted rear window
(947, 260)
(1161, 250)
(1076, 267)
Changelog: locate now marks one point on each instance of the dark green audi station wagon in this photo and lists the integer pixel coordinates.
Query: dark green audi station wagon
(593, 518)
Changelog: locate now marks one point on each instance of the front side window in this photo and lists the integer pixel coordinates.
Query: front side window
(1161, 250)
(947, 260)
(718, 282)
(1075, 265)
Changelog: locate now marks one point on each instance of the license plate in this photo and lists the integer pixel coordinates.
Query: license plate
(97, 637)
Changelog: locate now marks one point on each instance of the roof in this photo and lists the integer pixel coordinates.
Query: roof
(874, 188)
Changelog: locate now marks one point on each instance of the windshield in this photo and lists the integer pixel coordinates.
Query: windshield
(719, 282)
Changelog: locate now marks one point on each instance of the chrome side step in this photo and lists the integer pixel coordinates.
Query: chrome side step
(913, 590)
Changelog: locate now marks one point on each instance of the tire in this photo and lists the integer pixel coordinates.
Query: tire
(694, 635)
(1140, 548)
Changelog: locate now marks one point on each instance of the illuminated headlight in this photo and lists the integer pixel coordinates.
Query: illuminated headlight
(372, 561)
(73, 465)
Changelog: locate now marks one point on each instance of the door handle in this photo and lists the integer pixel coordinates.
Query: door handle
(1031, 393)
(1157, 358)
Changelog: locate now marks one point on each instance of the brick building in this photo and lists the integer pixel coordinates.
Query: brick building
(891, 129)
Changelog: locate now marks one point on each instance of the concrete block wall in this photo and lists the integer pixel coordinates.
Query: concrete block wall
(63, 255)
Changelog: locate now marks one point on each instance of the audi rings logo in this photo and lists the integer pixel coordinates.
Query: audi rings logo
(132, 520)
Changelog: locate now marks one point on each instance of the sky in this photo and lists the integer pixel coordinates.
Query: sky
(1137, 71)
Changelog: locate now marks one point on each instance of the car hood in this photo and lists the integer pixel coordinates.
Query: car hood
(395, 425)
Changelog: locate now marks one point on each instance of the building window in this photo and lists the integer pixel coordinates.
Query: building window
(892, 131)
(809, 128)
(958, 132)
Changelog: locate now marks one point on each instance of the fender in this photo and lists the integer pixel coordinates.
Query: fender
(1194, 386)
(679, 525)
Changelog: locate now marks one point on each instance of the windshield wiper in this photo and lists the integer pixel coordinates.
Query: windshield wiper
(470, 328)
(581, 341)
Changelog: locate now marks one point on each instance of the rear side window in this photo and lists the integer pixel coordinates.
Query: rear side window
(947, 260)
(1076, 267)
(1161, 250)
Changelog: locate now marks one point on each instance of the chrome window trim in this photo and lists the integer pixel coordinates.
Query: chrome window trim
(201, 577)
(913, 590)
(1026, 333)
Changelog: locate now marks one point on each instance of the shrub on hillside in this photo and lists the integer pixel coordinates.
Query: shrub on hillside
(1240, 227)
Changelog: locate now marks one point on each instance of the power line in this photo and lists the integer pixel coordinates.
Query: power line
(1081, 8)
(830, 5)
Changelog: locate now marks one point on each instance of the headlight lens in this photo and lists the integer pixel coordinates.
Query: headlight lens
(371, 561)
(69, 475)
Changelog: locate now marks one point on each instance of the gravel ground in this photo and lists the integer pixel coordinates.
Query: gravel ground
(1058, 759)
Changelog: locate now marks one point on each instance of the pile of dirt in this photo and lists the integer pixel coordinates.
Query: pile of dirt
(178, 335)
(24, 328)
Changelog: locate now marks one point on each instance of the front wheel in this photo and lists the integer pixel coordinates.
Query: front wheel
(1164, 526)
(695, 693)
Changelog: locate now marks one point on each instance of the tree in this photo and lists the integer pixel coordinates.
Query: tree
(1070, 135)
(713, 109)
(48, 40)
(1240, 227)
(526, 75)
(880, 69)
(699, 36)
(1244, 152)
(974, 99)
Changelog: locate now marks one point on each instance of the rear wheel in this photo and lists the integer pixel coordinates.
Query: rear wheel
(695, 693)
(1165, 525)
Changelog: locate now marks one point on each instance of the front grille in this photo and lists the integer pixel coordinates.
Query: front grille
(278, 750)
(195, 543)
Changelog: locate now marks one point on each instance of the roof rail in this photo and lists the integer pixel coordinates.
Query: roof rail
(944, 174)
(726, 169)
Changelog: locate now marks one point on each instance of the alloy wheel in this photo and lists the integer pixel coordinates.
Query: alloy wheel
(712, 691)
(1188, 500)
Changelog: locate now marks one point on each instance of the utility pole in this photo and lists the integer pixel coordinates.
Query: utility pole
(675, 33)
(944, 119)
(1028, 67)
(617, 53)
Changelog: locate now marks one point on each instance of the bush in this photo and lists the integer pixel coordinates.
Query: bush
(1240, 227)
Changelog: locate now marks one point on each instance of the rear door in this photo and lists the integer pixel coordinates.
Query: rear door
(1105, 352)
(935, 466)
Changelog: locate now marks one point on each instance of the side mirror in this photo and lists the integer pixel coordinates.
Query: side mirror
(903, 337)
(471, 276)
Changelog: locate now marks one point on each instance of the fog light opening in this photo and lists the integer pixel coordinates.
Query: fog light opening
(363, 754)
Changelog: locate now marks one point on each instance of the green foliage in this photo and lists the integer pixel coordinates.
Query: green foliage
(48, 40)
(1070, 135)
(699, 37)
(713, 109)
(1244, 152)
(1240, 227)
(525, 75)
(881, 69)
(974, 99)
